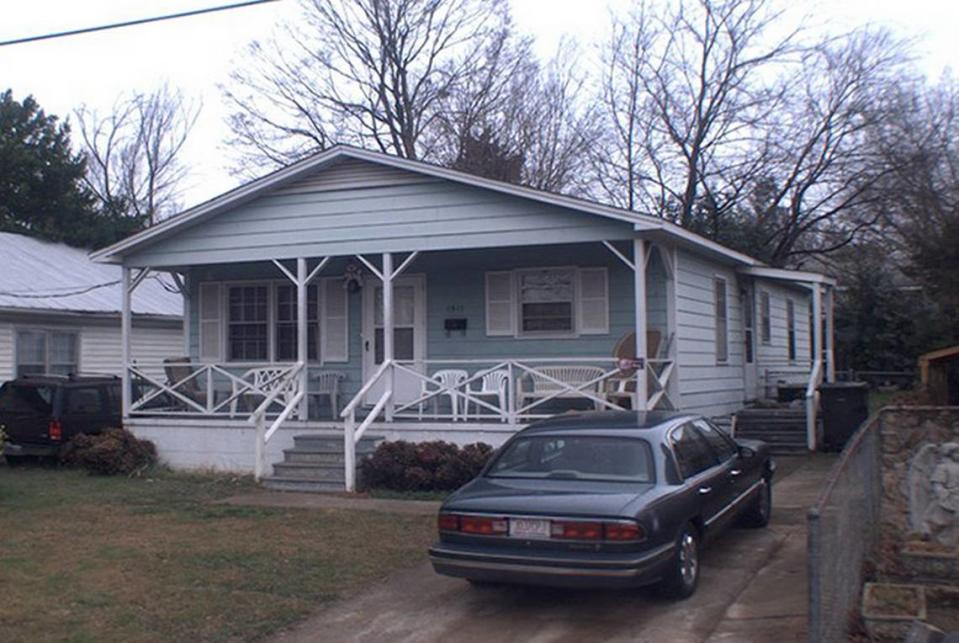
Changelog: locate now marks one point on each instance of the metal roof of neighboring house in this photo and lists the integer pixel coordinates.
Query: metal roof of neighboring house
(39, 275)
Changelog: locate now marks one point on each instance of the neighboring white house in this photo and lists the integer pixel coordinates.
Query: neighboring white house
(508, 304)
(60, 312)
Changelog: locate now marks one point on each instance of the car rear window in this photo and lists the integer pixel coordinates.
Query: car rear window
(85, 400)
(26, 398)
(575, 458)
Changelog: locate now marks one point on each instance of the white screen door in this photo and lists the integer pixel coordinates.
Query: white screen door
(409, 335)
(749, 338)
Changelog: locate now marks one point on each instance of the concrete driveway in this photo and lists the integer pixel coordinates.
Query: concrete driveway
(752, 588)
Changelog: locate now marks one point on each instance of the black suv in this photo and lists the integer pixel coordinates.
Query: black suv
(39, 413)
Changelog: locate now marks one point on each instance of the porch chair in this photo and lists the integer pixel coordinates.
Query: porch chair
(447, 381)
(575, 376)
(620, 389)
(494, 384)
(327, 383)
(262, 382)
(176, 370)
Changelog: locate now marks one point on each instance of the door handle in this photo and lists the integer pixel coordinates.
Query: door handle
(704, 490)
(735, 472)
(366, 346)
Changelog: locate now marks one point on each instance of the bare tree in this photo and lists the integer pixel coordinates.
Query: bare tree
(133, 153)
(367, 72)
(684, 91)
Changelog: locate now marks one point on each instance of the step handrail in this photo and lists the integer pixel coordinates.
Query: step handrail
(351, 437)
(358, 398)
(812, 403)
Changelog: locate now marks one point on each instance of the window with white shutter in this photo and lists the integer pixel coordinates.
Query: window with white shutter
(210, 321)
(593, 301)
(335, 334)
(499, 303)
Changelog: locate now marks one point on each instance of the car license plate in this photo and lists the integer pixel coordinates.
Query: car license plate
(528, 528)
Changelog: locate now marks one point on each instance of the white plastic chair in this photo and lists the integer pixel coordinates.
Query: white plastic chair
(447, 381)
(494, 384)
(327, 383)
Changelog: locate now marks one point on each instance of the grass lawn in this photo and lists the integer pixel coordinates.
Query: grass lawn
(105, 559)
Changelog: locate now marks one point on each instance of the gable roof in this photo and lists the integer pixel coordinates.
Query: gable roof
(326, 158)
(53, 277)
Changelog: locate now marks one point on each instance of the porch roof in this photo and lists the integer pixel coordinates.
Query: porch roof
(657, 227)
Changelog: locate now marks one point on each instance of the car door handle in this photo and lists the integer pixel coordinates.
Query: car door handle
(735, 472)
(704, 490)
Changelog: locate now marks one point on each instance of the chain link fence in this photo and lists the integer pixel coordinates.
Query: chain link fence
(843, 527)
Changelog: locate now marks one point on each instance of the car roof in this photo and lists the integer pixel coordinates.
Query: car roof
(65, 379)
(635, 421)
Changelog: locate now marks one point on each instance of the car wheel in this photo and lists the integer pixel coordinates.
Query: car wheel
(761, 508)
(682, 575)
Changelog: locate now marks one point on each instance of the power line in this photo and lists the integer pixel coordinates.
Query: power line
(131, 23)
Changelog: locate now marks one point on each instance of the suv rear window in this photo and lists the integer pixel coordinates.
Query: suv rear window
(575, 458)
(27, 398)
(82, 400)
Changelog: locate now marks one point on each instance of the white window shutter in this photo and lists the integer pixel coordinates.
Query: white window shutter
(335, 333)
(593, 301)
(211, 322)
(500, 317)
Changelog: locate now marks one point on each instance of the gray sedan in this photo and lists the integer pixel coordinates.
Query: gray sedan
(605, 499)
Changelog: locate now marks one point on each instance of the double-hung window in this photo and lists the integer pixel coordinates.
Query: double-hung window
(722, 326)
(286, 337)
(791, 329)
(248, 325)
(46, 352)
(765, 318)
(547, 301)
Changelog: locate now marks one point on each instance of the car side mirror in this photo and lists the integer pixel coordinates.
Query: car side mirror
(746, 453)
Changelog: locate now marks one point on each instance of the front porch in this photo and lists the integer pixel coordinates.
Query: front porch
(463, 346)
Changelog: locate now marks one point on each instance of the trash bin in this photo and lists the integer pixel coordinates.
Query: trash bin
(843, 407)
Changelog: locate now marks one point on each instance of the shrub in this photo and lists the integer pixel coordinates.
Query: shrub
(426, 466)
(112, 452)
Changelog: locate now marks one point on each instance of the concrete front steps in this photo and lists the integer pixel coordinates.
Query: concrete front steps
(315, 463)
(784, 430)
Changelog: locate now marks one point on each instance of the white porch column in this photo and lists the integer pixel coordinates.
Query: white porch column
(302, 334)
(125, 331)
(830, 334)
(639, 281)
(388, 328)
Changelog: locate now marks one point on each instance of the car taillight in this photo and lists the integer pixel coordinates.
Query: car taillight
(623, 531)
(55, 431)
(483, 526)
(448, 522)
(568, 530)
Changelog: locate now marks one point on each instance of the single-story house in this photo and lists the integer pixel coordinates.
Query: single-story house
(60, 312)
(357, 293)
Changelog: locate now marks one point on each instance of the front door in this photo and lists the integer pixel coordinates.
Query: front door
(409, 335)
(749, 337)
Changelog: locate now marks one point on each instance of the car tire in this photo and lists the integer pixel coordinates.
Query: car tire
(682, 573)
(760, 509)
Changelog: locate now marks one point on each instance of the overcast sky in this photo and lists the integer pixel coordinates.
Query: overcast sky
(195, 54)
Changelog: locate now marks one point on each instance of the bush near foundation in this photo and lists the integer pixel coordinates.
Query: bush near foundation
(424, 466)
(112, 452)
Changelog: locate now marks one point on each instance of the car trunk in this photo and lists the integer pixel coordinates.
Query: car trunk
(25, 412)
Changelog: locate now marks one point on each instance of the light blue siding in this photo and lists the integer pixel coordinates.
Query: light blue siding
(455, 287)
(395, 212)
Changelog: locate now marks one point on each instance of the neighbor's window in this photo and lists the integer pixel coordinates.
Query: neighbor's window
(247, 322)
(46, 352)
(575, 458)
(546, 300)
(722, 335)
(765, 319)
(286, 350)
(791, 329)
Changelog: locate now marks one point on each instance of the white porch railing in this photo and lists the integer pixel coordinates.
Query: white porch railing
(527, 387)
(198, 388)
(286, 388)
(812, 403)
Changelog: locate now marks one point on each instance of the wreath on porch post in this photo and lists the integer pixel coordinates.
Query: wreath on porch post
(353, 278)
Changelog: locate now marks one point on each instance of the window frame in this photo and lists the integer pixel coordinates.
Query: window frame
(573, 304)
(765, 317)
(47, 331)
(317, 309)
(227, 321)
(721, 357)
(791, 329)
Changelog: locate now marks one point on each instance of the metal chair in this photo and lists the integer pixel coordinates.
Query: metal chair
(494, 384)
(447, 382)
